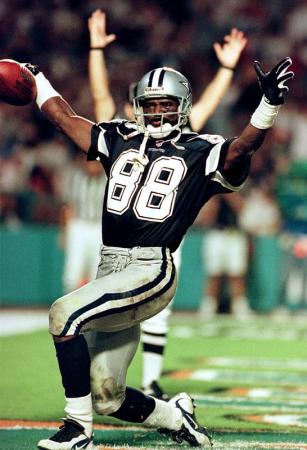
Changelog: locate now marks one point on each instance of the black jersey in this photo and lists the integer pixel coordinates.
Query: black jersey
(155, 205)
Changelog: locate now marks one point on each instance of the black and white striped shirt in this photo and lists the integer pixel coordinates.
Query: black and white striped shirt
(85, 192)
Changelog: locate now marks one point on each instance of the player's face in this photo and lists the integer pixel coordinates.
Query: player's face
(156, 107)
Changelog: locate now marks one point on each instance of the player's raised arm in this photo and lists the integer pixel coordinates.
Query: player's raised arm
(273, 86)
(228, 55)
(104, 105)
(59, 112)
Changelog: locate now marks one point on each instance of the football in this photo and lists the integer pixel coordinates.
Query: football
(17, 84)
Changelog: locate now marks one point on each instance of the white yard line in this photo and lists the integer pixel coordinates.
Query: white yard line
(22, 321)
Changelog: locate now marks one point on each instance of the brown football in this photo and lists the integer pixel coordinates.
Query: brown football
(17, 84)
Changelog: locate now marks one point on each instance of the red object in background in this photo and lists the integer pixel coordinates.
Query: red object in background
(300, 248)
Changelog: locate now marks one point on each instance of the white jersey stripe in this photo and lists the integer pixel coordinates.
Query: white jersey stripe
(218, 177)
(102, 145)
(213, 159)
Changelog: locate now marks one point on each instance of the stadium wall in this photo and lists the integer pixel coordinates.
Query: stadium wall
(31, 265)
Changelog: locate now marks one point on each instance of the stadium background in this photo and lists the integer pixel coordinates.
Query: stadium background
(54, 35)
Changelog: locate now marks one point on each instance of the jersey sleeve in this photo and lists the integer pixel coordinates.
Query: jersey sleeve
(102, 136)
(220, 183)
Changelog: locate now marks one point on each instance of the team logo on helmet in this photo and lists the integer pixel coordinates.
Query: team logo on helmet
(186, 84)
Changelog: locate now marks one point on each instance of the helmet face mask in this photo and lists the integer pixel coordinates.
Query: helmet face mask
(162, 83)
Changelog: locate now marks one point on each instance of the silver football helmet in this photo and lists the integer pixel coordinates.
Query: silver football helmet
(160, 83)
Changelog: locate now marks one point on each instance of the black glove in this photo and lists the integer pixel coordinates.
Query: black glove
(33, 69)
(273, 83)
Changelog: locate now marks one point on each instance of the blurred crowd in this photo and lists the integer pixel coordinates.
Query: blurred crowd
(54, 35)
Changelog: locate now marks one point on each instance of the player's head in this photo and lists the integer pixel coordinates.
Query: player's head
(162, 102)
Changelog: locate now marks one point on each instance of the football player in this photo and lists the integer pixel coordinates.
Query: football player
(154, 330)
(158, 179)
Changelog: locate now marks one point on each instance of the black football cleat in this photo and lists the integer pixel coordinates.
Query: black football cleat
(154, 390)
(190, 431)
(70, 436)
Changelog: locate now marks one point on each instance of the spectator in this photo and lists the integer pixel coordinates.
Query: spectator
(225, 255)
(38, 202)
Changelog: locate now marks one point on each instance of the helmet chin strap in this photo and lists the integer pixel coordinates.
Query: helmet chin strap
(161, 131)
(140, 160)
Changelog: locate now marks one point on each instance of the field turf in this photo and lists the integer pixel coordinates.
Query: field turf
(248, 378)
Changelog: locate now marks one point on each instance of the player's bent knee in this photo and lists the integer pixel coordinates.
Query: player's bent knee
(57, 318)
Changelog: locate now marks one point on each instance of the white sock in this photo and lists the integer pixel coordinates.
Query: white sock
(209, 299)
(80, 409)
(208, 306)
(240, 299)
(152, 367)
(164, 416)
(240, 306)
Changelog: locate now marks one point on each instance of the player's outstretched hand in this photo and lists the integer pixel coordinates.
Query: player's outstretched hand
(229, 52)
(273, 83)
(97, 28)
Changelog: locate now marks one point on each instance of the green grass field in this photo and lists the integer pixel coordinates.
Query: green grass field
(249, 381)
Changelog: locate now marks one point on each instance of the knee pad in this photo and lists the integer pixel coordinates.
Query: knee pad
(57, 318)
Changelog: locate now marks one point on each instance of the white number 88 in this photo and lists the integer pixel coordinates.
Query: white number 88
(156, 198)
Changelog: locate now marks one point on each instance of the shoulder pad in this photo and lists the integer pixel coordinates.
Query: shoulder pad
(186, 136)
(111, 123)
(122, 127)
(126, 129)
(211, 138)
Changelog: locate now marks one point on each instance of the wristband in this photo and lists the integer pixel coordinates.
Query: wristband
(264, 115)
(227, 67)
(44, 90)
(96, 48)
